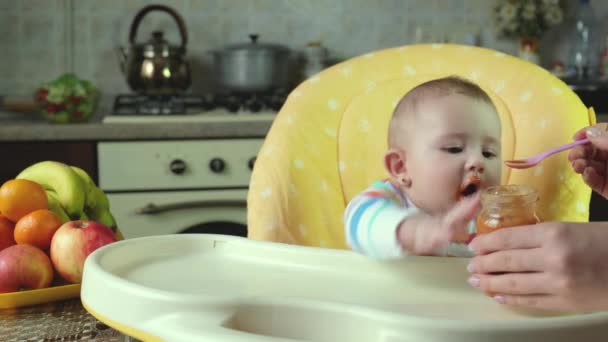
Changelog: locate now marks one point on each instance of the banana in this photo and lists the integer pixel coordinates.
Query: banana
(61, 179)
(96, 204)
(107, 219)
(89, 186)
(84, 216)
(100, 212)
(71, 192)
(55, 206)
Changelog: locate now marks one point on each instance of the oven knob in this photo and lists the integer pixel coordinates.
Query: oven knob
(251, 163)
(233, 107)
(217, 165)
(177, 166)
(254, 106)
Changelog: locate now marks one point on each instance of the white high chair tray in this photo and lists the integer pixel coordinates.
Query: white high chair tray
(223, 288)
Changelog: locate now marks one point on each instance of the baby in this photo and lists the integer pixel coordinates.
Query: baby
(443, 147)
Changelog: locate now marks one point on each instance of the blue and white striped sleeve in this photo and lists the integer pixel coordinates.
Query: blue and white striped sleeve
(371, 221)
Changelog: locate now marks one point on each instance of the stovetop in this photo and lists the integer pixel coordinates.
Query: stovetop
(147, 105)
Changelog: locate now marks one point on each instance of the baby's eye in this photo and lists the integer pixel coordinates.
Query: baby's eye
(453, 150)
(489, 154)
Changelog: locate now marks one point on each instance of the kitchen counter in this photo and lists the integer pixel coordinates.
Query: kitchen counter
(16, 131)
(57, 321)
(237, 127)
(68, 320)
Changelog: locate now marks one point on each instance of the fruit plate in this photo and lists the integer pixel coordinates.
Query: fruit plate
(40, 296)
(201, 287)
(58, 291)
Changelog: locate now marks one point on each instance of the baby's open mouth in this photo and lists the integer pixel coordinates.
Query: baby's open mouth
(469, 190)
(470, 187)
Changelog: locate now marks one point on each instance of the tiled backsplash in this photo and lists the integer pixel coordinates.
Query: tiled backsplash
(40, 39)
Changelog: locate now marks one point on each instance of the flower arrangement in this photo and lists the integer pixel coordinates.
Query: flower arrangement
(67, 99)
(527, 18)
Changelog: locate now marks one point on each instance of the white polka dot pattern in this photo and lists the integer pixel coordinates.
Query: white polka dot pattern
(327, 142)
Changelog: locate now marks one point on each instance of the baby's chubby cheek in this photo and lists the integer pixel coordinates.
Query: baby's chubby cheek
(432, 202)
(494, 174)
(497, 179)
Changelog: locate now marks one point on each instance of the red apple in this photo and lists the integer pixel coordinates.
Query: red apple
(24, 267)
(73, 242)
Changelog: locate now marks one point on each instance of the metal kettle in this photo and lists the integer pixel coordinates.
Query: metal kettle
(156, 67)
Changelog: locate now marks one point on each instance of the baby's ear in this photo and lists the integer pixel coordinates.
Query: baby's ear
(394, 162)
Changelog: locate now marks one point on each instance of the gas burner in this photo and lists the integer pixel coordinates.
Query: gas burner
(252, 102)
(131, 104)
(149, 105)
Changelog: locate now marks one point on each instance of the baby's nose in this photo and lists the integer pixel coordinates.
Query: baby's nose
(476, 165)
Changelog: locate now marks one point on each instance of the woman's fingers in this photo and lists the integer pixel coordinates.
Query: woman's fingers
(536, 283)
(594, 174)
(544, 302)
(594, 179)
(597, 149)
(520, 260)
(583, 132)
(588, 152)
(598, 136)
(580, 152)
(580, 134)
(522, 237)
(580, 165)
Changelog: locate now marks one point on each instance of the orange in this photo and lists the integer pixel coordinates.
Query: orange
(37, 228)
(6, 233)
(19, 197)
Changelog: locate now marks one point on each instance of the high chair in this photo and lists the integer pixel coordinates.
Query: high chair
(324, 147)
(327, 142)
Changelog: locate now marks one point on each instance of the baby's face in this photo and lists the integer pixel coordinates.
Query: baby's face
(453, 150)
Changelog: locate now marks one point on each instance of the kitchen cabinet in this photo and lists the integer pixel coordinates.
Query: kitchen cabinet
(18, 155)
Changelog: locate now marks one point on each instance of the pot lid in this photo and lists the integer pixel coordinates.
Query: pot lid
(254, 45)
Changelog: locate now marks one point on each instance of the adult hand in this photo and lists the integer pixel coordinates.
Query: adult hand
(551, 265)
(591, 160)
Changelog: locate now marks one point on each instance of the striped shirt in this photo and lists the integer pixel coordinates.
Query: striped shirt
(372, 218)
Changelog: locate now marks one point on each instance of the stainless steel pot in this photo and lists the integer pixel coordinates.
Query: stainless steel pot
(252, 67)
(156, 67)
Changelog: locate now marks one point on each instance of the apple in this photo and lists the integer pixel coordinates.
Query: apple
(72, 244)
(24, 267)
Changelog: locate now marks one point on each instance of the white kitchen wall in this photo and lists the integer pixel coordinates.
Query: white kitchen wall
(40, 39)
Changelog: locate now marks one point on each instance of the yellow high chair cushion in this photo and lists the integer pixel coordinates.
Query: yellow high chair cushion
(326, 144)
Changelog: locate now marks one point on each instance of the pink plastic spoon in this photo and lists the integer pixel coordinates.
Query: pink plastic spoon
(532, 161)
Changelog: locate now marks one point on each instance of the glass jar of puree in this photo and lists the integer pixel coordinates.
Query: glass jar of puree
(507, 206)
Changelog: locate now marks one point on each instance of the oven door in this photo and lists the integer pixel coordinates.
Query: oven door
(165, 212)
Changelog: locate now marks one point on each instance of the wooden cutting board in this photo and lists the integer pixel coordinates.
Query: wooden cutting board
(18, 105)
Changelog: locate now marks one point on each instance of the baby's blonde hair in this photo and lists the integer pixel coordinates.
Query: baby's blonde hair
(433, 89)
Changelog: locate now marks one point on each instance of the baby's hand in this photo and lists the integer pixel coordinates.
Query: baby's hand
(456, 221)
(430, 235)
